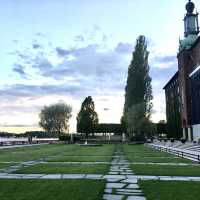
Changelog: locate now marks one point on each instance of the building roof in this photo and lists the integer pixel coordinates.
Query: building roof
(192, 46)
(175, 76)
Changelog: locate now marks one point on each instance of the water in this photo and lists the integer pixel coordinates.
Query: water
(13, 139)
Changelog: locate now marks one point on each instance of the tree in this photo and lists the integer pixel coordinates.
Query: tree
(55, 118)
(87, 118)
(138, 91)
(109, 128)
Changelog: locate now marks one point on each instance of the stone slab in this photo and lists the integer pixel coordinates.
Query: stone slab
(114, 177)
(114, 185)
(51, 176)
(112, 197)
(109, 191)
(132, 180)
(73, 176)
(94, 176)
(136, 198)
(133, 186)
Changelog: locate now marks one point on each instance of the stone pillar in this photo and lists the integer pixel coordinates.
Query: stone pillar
(189, 134)
(123, 137)
(184, 133)
(71, 138)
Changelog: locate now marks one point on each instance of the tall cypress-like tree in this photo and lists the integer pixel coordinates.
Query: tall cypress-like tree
(138, 91)
(87, 118)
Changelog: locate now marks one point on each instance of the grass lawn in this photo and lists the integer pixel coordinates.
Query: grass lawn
(170, 190)
(166, 170)
(31, 153)
(141, 150)
(65, 168)
(51, 189)
(105, 150)
(42, 151)
(79, 159)
(140, 153)
(157, 159)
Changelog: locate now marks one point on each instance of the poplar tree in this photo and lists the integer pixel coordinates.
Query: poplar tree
(138, 91)
(87, 118)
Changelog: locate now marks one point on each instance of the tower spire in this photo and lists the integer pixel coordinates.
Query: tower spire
(191, 20)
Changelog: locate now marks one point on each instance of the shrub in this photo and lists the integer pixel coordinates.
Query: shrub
(138, 138)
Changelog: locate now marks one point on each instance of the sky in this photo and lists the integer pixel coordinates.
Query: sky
(65, 50)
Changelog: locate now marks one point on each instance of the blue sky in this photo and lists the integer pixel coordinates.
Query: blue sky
(62, 50)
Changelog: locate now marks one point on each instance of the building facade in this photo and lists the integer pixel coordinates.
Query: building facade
(173, 106)
(188, 77)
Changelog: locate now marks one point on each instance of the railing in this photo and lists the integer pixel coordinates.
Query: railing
(179, 152)
(26, 142)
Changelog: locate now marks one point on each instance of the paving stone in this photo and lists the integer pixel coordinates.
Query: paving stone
(3, 174)
(130, 180)
(51, 176)
(115, 185)
(136, 198)
(133, 186)
(194, 178)
(112, 197)
(32, 175)
(149, 177)
(73, 176)
(113, 173)
(127, 173)
(109, 191)
(93, 176)
(114, 177)
(130, 193)
(10, 176)
(129, 190)
(113, 180)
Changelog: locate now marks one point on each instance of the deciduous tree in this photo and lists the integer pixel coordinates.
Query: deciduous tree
(55, 118)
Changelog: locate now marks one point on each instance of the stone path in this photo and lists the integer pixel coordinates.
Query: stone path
(121, 182)
(118, 186)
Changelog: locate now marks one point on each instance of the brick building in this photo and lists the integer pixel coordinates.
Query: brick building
(188, 78)
(173, 108)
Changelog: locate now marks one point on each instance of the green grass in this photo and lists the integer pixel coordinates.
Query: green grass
(51, 189)
(105, 150)
(166, 170)
(65, 168)
(157, 159)
(140, 153)
(31, 153)
(141, 149)
(79, 159)
(170, 190)
(38, 152)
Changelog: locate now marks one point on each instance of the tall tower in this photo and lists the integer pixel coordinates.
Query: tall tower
(188, 58)
(191, 20)
(191, 26)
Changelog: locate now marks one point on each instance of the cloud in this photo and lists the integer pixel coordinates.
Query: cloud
(165, 59)
(62, 52)
(42, 63)
(22, 90)
(124, 48)
(36, 46)
(20, 70)
(76, 72)
(90, 61)
(79, 38)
